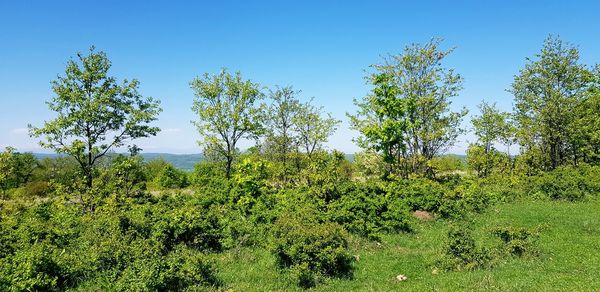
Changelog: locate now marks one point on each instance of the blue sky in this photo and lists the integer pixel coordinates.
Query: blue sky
(320, 47)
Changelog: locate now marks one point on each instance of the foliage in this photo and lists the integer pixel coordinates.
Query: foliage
(281, 136)
(95, 113)
(154, 167)
(485, 163)
(461, 252)
(568, 183)
(407, 117)
(150, 246)
(491, 127)
(314, 129)
(208, 174)
(516, 241)
(549, 96)
(365, 209)
(368, 164)
(171, 177)
(227, 111)
(312, 250)
(324, 174)
(446, 164)
(6, 168)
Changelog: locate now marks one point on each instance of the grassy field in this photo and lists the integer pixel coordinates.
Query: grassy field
(568, 256)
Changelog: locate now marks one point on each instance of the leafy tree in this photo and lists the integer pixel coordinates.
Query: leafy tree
(282, 136)
(24, 165)
(407, 116)
(585, 131)
(314, 127)
(228, 111)
(492, 126)
(549, 94)
(95, 112)
(6, 168)
(381, 119)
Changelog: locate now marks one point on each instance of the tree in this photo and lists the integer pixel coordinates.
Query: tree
(314, 127)
(549, 93)
(95, 112)
(228, 110)
(281, 131)
(585, 131)
(6, 168)
(492, 126)
(407, 116)
(381, 119)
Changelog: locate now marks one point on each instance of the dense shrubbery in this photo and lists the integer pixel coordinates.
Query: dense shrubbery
(171, 177)
(119, 236)
(311, 249)
(568, 183)
(367, 210)
(462, 252)
(151, 246)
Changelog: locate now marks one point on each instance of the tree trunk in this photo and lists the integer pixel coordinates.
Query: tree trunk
(228, 169)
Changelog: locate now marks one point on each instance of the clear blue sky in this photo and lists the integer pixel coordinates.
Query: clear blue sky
(320, 47)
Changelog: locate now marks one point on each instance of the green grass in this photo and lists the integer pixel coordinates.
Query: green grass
(568, 256)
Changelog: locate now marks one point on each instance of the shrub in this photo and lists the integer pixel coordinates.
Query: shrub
(461, 252)
(171, 177)
(419, 193)
(183, 269)
(208, 174)
(365, 209)
(311, 250)
(516, 241)
(324, 173)
(34, 189)
(568, 183)
(120, 246)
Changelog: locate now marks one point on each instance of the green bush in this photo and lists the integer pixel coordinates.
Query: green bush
(568, 183)
(365, 209)
(324, 174)
(208, 174)
(452, 198)
(516, 241)
(461, 252)
(121, 245)
(311, 250)
(171, 177)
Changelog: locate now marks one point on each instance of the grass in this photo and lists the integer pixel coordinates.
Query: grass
(568, 256)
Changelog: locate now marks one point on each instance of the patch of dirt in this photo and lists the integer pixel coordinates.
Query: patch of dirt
(423, 215)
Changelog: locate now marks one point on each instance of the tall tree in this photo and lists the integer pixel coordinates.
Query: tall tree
(382, 121)
(281, 131)
(95, 112)
(228, 110)
(314, 127)
(408, 115)
(491, 127)
(548, 94)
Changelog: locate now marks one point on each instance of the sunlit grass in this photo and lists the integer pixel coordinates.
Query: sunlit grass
(568, 256)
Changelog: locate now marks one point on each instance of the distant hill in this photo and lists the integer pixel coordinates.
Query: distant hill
(187, 161)
(181, 161)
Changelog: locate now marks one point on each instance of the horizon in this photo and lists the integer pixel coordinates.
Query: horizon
(319, 48)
